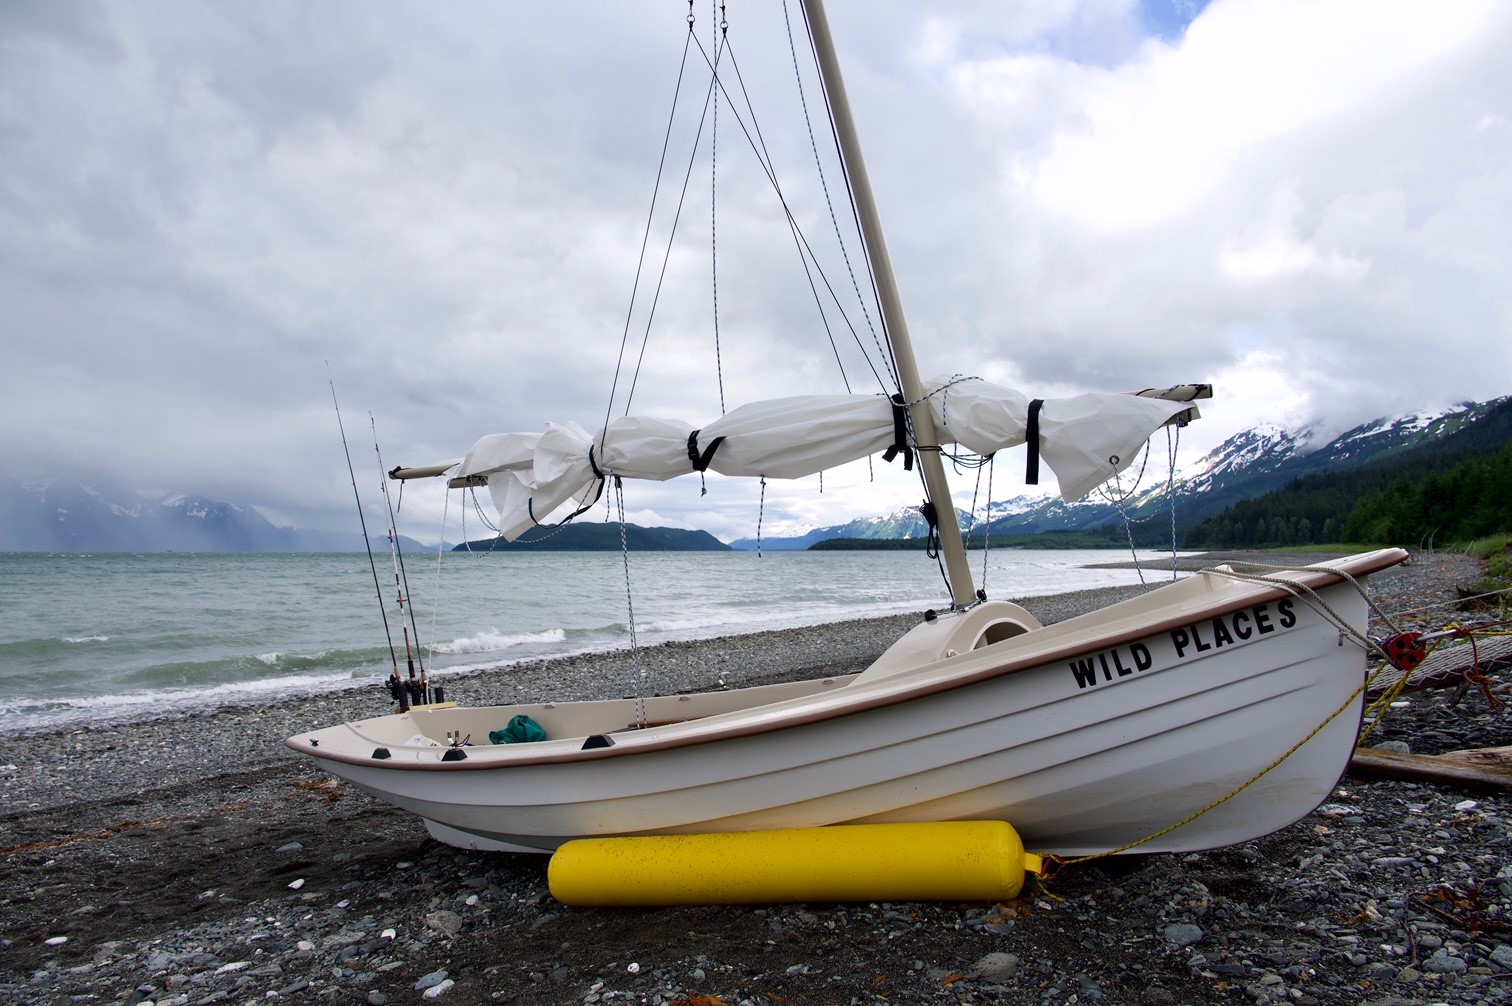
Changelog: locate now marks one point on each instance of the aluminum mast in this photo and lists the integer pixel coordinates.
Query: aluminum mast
(926, 440)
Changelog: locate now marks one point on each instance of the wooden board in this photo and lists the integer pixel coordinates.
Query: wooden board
(1486, 770)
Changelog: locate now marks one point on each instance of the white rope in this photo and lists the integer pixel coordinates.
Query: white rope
(639, 671)
(1309, 595)
(436, 596)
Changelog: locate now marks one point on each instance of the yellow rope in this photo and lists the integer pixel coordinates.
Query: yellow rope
(1373, 713)
(1329, 614)
(1224, 799)
(1377, 709)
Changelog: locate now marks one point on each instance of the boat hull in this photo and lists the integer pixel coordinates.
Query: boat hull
(1230, 714)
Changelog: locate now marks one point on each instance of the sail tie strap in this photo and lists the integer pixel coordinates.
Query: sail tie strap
(530, 505)
(700, 459)
(932, 534)
(1032, 439)
(900, 434)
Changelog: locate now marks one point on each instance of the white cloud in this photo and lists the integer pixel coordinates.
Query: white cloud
(1302, 202)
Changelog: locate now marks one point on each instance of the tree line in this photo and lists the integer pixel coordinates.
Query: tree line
(1414, 503)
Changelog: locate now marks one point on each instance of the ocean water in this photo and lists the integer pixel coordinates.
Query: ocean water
(100, 637)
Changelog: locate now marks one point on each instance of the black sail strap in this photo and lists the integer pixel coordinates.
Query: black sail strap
(932, 534)
(900, 434)
(1032, 439)
(700, 460)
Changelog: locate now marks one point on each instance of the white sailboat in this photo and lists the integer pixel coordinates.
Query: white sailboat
(1203, 713)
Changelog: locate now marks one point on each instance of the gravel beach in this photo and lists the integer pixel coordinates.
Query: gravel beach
(197, 860)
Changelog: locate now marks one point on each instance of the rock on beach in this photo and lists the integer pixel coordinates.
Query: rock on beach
(156, 861)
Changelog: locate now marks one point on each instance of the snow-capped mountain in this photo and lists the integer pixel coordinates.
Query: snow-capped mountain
(1260, 460)
(56, 515)
(905, 522)
(1248, 464)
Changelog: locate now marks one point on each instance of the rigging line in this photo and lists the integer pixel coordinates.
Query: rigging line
(640, 671)
(760, 515)
(806, 254)
(1173, 443)
(667, 254)
(987, 520)
(976, 493)
(466, 545)
(884, 346)
(440, 550)
(583, 506)
(472, 494)
(1119, 500)
(932, 550)
(824, 186)
(366, 540)
(418, 690)
(931, 519)
(650, 217)
(719, 34)
(1237, 570)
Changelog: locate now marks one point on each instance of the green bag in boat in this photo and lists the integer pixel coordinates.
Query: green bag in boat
(521, 730)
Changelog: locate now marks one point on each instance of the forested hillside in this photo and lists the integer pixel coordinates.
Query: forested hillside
(1456, 490)
(1472, 501)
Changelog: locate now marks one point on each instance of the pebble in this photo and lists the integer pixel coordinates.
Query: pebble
(446, 922)
(997, 966)
(437, 991)
(1183, 934)
(1392, 894)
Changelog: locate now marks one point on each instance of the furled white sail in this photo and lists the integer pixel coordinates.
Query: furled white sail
(1084, 440)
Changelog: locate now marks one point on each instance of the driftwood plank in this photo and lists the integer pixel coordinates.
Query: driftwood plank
(1493, 758)
(1483, 770)
(1447, 664)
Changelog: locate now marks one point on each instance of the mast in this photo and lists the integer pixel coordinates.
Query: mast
(963, 591)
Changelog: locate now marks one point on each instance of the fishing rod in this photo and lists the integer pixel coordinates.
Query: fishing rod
(395, 686)
(419, 689)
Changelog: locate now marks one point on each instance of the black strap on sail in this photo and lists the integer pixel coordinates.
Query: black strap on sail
(932, 535)
(700, 459)
(900, 434)
(530, 503)
(1032, 439)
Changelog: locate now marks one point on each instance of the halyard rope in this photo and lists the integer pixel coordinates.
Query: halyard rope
(636, 666)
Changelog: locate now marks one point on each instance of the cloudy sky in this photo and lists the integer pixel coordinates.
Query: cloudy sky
(209, 210)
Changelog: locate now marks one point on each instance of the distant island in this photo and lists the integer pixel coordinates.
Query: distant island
(1050, 540)
(1111, 537)
(600, 537)
(1409, 479)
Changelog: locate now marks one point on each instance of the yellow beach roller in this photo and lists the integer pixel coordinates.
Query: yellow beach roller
(945, 861)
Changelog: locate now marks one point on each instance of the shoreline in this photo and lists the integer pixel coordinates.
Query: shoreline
(189, 702)
(78, 686)
(236, 736)
(196, 860)
(191, 744)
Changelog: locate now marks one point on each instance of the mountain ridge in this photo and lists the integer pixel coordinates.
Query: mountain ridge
(56, 515)
(1251, 463)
